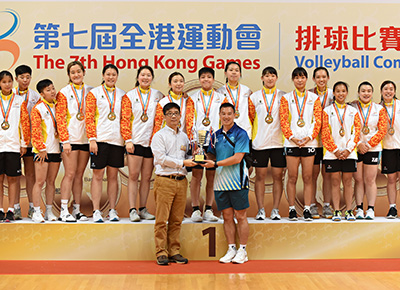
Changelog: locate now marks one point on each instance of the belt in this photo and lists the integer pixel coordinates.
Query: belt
(176, 177)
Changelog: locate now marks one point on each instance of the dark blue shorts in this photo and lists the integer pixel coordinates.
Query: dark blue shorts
(237, 199)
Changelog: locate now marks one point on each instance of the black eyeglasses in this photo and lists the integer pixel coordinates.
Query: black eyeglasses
(170, 114)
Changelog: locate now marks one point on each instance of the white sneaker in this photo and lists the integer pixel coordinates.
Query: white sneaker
(97, 217)
(359, 214)
(275, 216)
(196, 216)
(37, 217)
(370, 214)
(209, 216)
(241, 257)
(113, 215)
(65, 216)
(230, 254)
(79, 216)
(260, 215)
(145, 215)
(49, 216)
(133, 216)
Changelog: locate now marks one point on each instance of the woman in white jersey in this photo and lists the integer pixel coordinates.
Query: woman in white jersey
(138, 113)
(340, 134)
(267, 141)
(102, 115)
(300, 113)
(70, 115)
(321, 78)
(373, 129)
(391, 144)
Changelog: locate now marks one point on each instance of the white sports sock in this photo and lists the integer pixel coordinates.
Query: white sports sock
(242, 247)
(312, 204)
(37, 208)
(232, 246)
(292, 207)
(49, 207)
(10, 209)
(64, 204)
(306, 207)
(31, 204)
(327, 204)
(2, 209)
(393, 205)
(77, 207)
(17, 206)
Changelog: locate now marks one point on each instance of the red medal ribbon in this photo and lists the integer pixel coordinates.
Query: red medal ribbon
(6, 112)
(365, 119)
(234, 102)
(206, 109)
(76, 97)
(300, 111)
(144, 105)
(112, 103)
(269, 109)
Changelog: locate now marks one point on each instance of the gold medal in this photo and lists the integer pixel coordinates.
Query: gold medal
(301, 122)
(237, 114)
(144, 118)
(80, 116)
(341, 132)
(365, 130)
(391, 131)
(206, 122)
(5, 125)
(269, 119)
(112, 116)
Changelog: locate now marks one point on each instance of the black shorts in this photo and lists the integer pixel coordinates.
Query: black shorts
(10, 164)
(51, 157)
(107, 155)
(300, 152)
(80, 147)
(276, 155)
(29, 152)
(348, 165)
(370, 158)
(319, 156)
(142, 151)
(390, 161)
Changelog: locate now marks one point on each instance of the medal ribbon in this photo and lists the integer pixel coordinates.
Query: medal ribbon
(111, 102)
(171, 99)
(324, 98)
(7, 111)
(26, 95)
(234, 101)
(341, 118)
(52, 115)
(300, 110)
(391, 119)
(144, 105)
(268, 107)
(208, 107)
(80, 102)
(365, 118)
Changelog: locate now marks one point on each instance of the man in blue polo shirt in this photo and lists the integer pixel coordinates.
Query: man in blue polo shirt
(231, 184)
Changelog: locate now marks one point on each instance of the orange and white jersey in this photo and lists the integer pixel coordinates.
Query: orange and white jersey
(266, 135)
(337, 121)
(44, 131)
(187, 113)
(70, 102)
(30, 96)
(18, 133)
(99, 126)
(326, 99)
(392, 141)
(296, 126)
(138, 113)
(376, 123)
(239, 97)
(212, 102)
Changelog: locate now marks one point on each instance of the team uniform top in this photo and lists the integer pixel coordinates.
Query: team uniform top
(326, 99)
(290, 117)
(44, 128)
(31, 97)
(170, 150)
(239, 96)
(266, 135)
(70, 114)
(374, 118)
(338, 120)
(187, 113)
(210, 101)
(233, 177)
(392, 141)
(98, 109)
(18, 132)
(138, 113)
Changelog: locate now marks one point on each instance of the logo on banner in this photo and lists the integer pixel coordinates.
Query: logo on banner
(8, 28)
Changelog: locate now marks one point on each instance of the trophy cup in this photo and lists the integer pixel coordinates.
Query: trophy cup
(201, 139)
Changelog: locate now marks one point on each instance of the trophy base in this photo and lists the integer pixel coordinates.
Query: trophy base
(200, 162)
